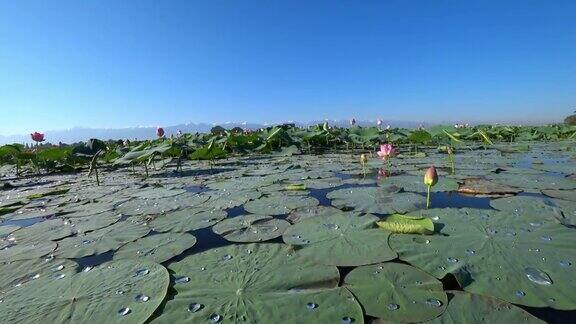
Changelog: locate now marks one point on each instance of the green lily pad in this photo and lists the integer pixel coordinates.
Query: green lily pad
(26, 251)
(53, 192)
(251, 228)
(7, 229)
(344, 239)
(16, 274)
(416, 183)
(406, 224)
(397, 292)
(302, 213)
(225, 199)
(132, 290)
(561, 194)
(158, 248)
(534, 182)
(188, 219)
(93, 208)
(90, 223)
(524, 260)
(472, 308)
(535, 206)
(100, 241)
(27, 213)
(157, 192)
(257, 283)
(48, 230)
(380, 200)
(279, 204)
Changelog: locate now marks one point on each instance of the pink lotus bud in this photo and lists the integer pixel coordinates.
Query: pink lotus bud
(430, 177)
(160, 132)
(37, 137)
(383, 174)
(386, 151)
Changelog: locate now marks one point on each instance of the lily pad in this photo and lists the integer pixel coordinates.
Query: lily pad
(561, 194)
(153, 192)
(251, 228)
(397, 292)
(158, 248)
(48, 230)
(344, 239)
(257, 283)
(406, 224)
(188, 219)
(472, 308)
(225, 199)
(279, 204)
(302, 213)
(380, 200)
(90, 223)
(132, 290)
(15, 274)
(7, 229)
(523, 260)
(100, 241)
(26, 251)
(534, 182)
(535, 206)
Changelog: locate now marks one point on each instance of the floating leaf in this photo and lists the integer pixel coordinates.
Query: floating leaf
(302, 213)
(561, 194)
(524, 260)
(257, 283)
(26, 251)
(344, 239)
(102, 240)
(380, 200)
(251, 228)
(397, 292)
(482, 187)
(158, 248)
(16, 274)
(279, 204)
(52, 229)
(188, 219)
(116, 291)
(472, 308)
(405, 224)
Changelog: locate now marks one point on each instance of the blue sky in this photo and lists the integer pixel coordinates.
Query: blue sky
(126, 63)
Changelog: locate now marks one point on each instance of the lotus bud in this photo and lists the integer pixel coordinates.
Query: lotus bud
(363, 159)
(431, 177)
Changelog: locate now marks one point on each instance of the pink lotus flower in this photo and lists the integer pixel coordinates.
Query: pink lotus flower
(247, 131)
(160, 132)
(386, 151)
(37, 137)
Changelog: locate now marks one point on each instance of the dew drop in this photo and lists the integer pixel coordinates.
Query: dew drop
(214, 318)
(470, 252)
(181, 280)
(86, 269)
(119, 292)
(141, 298)
(546, 238)
(124, 311)
(59, 276)
(392, 306)
(451, 260)
(520, 294)
(141, 272)
(311, 306)
(347, 320)
(565, 263)
(227, 257)
(194, 307)
(330, 226)
(537, 276)
(433, 302)
(58, 268)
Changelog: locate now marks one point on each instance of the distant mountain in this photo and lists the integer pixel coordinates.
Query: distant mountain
(78, 134)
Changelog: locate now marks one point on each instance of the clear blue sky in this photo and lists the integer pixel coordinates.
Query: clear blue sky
(125, 63)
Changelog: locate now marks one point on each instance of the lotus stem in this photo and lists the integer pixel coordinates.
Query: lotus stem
(428, 198)
(146, 168)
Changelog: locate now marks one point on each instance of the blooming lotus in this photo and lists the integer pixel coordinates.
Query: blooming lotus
(386, 151)
(160, 132)
(430, 179)
(37, 137)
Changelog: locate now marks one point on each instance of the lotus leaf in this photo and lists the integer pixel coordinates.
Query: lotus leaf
(158, 248)
(279, 204)
(251, 228)
(405, 224)
(380, 200)
(188, 219)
